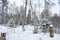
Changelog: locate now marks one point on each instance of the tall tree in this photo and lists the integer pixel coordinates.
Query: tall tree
(29, 17)
(24, 17)
(4, 4)
(48, 5)
(17, 16)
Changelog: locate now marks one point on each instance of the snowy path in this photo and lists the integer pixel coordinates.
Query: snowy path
(18, 34)
(29, 36)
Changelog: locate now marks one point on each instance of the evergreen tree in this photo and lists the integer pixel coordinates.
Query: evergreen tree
(35, 19)
(11, 22)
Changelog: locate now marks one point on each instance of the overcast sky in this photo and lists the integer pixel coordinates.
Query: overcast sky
(54, 9)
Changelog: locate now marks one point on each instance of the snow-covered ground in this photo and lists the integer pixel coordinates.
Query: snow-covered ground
(18, 34)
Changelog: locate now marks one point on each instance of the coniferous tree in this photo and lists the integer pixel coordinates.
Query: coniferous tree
(35, 19)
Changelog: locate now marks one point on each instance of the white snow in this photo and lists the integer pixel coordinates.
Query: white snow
(18, 34)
